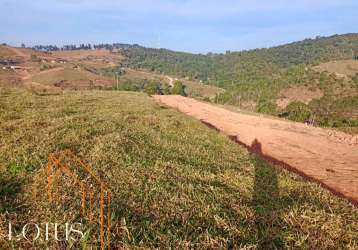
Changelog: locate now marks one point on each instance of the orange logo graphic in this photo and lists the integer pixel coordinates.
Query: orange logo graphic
(66, 162)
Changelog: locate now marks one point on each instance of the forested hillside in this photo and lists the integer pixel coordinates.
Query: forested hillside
(258, 76)
(216, 68)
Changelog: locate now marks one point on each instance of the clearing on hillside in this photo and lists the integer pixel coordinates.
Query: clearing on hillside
(85, 54)
(341, 68)
(298, 93)
(71, 78)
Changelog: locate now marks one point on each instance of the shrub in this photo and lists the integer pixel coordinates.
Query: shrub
(179, 89)
(127, 85)
(267, 107)
(297, 111)
(166, 89)
(152, 88)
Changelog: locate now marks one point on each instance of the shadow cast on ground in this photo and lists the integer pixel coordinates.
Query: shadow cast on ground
(10, 188)
(266, 202)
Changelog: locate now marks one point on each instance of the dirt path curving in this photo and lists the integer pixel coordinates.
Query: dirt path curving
(312, 152)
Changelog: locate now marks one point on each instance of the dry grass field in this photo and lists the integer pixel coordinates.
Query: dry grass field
(5, 51)
(175, 182)
(342, 68)
(85, 54)
(72, 78)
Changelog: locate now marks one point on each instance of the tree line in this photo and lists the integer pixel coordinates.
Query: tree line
(87, 46)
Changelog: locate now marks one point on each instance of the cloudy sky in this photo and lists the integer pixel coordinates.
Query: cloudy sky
(186, 25)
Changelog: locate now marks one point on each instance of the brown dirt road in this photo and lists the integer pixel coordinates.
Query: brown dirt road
(324, 156)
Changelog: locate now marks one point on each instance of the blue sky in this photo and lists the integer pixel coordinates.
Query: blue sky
(185, 25)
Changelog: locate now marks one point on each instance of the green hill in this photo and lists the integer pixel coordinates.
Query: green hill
(260, 75)
(216, 68)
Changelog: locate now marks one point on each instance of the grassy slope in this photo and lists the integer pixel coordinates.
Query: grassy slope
(176, 183)
(6, 52)
(67, 74)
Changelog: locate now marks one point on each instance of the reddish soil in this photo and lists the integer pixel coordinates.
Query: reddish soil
(321, 155)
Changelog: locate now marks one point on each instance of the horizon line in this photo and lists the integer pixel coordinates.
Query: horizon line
(180, 51)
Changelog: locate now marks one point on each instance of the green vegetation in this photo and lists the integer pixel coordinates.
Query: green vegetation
(238, 67)
(178, 89)
(267, 107)
(297, 111)
(130, 85)
(260, 75)
(176, 183)
(341, 112)
(151, 87)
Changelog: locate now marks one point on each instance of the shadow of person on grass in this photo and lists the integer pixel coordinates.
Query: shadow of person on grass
(10, 187)
(266, 199)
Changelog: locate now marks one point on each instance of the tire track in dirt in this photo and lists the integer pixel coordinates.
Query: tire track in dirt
(309, 151)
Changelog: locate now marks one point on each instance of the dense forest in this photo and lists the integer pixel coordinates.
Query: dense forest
(259, 75)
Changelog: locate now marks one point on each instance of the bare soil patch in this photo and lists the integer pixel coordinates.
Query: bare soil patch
(325, 156)
(298, 93)
(341, 68)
